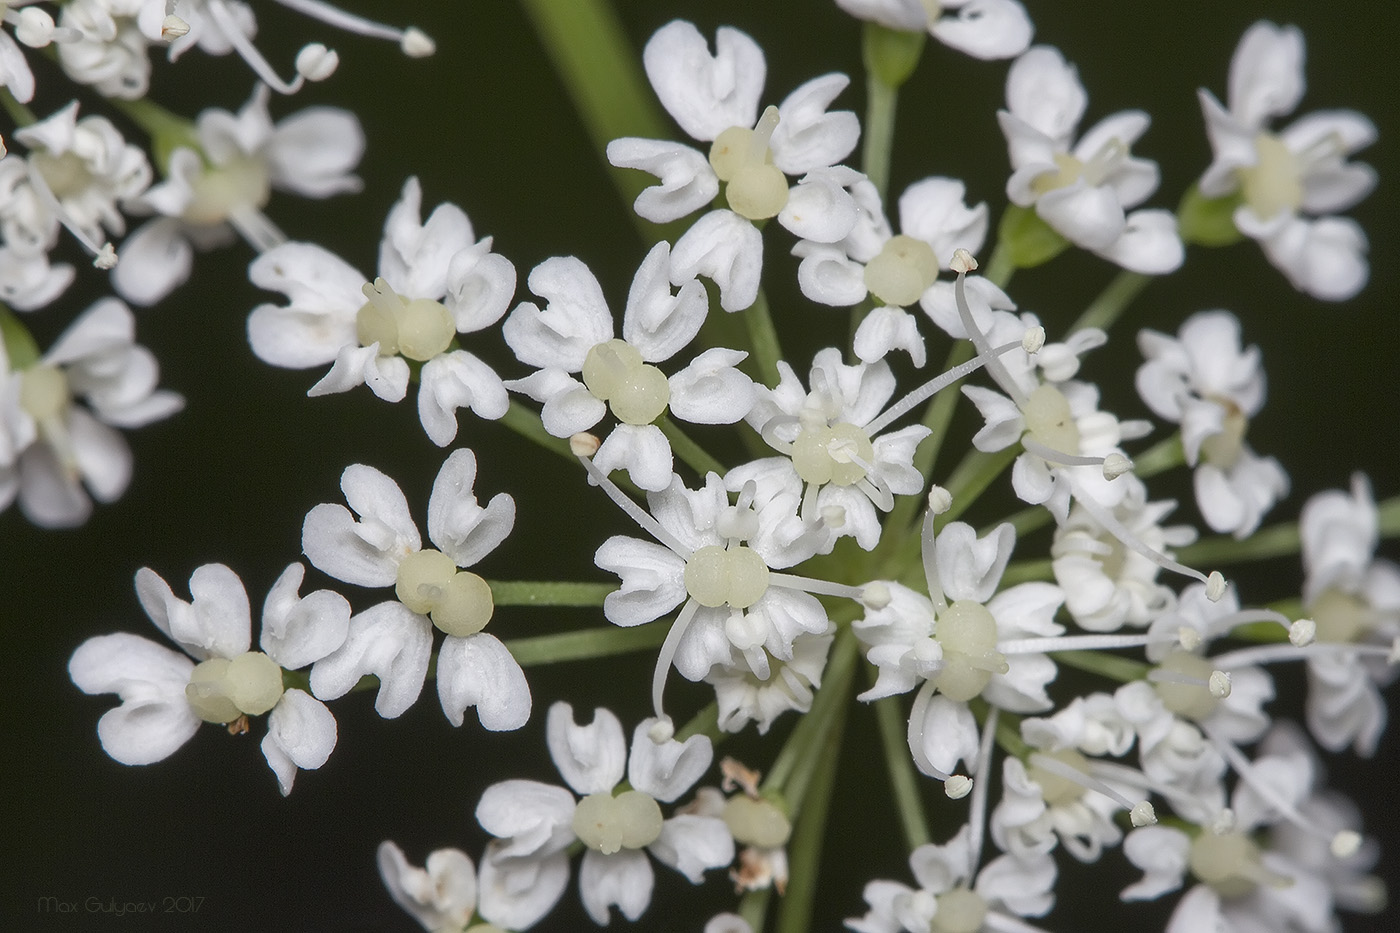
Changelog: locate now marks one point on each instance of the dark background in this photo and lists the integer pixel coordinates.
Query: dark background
(486, 124)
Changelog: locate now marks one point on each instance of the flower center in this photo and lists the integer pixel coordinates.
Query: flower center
(1094, 172)
(66, 174)
(458, 601)
(902, 272)
(967, 634)
(222, 689)
(43, 392)
(219, 191)
(1192, 700)
(419, 329)
(1057, 789)
(960, 910)
(636, 392)
(1049, 421)
(1273, 185)
(754, 186)
(1340, 617)
(839, 454)
(718, 576)
(631, 820)
(756, 822)
(1224, 449)
(1230, 864)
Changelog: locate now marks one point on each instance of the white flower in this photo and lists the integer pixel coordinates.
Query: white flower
(743, 697)
(1352, 596)
(1007, 885)
(108, 48)
(1108, 585)
(1083, 190)
(1289, 184)
(1284, 879)
(57, 447)
(573, 336)
(897, 270)
(987, 29)
(831, 437)
(75, 174)
(435, 281)
(952, 644)
(441, 895)
(165, 695)
(379, 546)
(536, 822)
(715, 100)
(224, 187)
(1204, 381)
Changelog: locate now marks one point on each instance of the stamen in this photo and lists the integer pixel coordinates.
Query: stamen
(811, 585)
(633, 510)
(1339, 841)
(962, 260)
(668, 654)
(928, 554)
(1083, 643)
(223, 18)
(1141, 810)
(940, 500)
(1268, 654)
(933, 387)
(1106, 520)
(955, 786)
(414, 42)
(1051, 455)
(105, 255)
(255, 227)
(977, 808)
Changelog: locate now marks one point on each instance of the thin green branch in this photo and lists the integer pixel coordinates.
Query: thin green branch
(599, 67)
(1112, 301)
(548, 593)
(1111, 666)
(589, 643)
(904, 780)
(810, 794)
(695, 456)
(763, 339)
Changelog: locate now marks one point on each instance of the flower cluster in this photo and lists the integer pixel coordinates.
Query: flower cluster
(1072, 678)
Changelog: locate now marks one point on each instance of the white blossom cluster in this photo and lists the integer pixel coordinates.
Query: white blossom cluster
(1109, 699)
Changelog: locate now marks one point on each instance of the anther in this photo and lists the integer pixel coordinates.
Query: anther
(584, 444)
(1302, 633)
(940, 500)
(1115, 465)
(962, 262)
(957, 787)
(1033, 339)
(1142, 814)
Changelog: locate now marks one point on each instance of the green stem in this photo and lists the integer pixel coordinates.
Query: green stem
(1282, 540)
(167, 130)
(1022, 571)
(904, 781)
(692, 453)
(878, 136)
(1105, 665)
(1112, 301)
(810, 794)
(21, 114)
(1000, 268)
(527, 424)
(589, 643)
(753, 907)
(599, 68)
(973, 475)
(550, 593)
(1166, 454)
(19, 344)
(763, 339)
